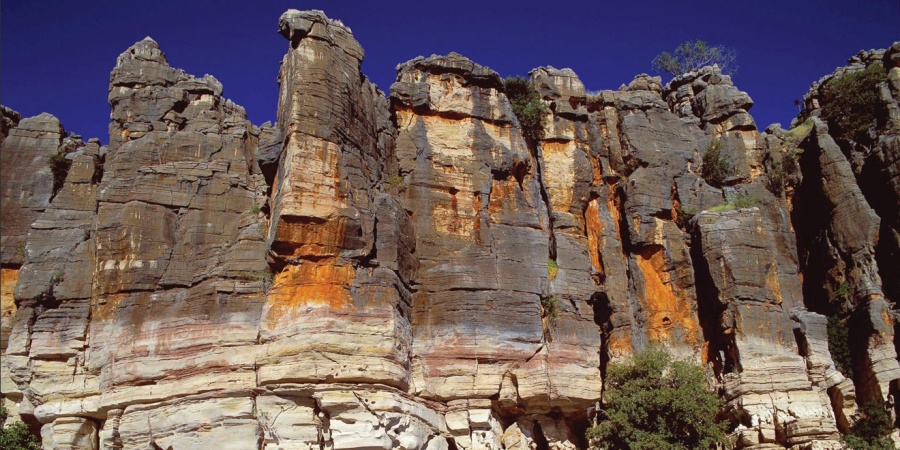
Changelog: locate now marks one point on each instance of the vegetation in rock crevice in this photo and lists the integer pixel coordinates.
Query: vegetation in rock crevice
(839, 346)
(654, 401)
(527, 106)
(716, 167)
(59, 167)
(870, 431)
(849, 103)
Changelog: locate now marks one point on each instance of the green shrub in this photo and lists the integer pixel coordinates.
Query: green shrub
(839, 346)
(16, 436)
(655, 402)
(550, 308)
(716, 167)
(694, 54)
(59, 167)
(849, 101)
(873, 425)
(528, 108)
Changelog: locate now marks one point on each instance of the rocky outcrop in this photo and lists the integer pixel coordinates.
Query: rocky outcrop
(410, 271)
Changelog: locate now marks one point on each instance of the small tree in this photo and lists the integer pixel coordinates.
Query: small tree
(716, 167)
(528, 107)
(16, 436)
(695, 54)
(873, 424)
(655, 402)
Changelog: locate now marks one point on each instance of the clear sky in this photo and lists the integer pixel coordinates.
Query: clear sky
(55, 56)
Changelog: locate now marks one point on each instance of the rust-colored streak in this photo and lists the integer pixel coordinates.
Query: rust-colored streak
(667, 308)
(104, 307)
(8, 280)
(307, 236)
(454, 212)
(559, 175)
(310, 284)
(595, 230)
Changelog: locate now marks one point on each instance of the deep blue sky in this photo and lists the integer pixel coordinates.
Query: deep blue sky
(55, 56)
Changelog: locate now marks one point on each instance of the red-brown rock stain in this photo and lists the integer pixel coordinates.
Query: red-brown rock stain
(595, 229)
(666, 307)
(311, 283)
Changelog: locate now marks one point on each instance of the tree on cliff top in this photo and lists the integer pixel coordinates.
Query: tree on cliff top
(655, 402)
(695, 54)
(527, 106)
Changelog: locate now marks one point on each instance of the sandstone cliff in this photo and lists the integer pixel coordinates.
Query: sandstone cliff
(409, 271)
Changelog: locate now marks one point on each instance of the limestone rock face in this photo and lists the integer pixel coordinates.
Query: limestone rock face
(407, 271)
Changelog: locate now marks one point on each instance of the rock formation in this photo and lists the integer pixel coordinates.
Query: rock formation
(409, 271)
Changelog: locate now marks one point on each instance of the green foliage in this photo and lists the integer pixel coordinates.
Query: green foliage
(528, 107)
(395, 183)
(264, 277)
(843, 291)
(775, 176)
(550, 308)
(839, 346)
(800, 131)
(255, 209)
(694, 54)
(849, 101)
(16, 436)
(57, 277)
(59, 167)
(655, 402)
(683, 216)
(552, 269)
(873, 424)
(736, 202)
(716, 167)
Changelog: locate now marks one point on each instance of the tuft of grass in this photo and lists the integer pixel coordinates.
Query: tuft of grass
(395, 183)
(255, 209)
(57, 277)
(264, 277)
(552, 269)
(800, 131)
(550, 308)
(737, 202)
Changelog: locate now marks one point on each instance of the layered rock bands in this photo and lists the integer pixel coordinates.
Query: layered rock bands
(409, 271)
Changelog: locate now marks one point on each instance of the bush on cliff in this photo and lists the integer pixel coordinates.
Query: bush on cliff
(16, 436)
(655, 402)
(716, 167)
(849, 102)
(873, 424)
(528, 107)
(694, 54)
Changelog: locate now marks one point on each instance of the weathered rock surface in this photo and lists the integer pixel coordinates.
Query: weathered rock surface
(408, 271)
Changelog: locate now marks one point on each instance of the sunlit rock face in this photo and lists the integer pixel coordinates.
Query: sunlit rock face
(406, 270)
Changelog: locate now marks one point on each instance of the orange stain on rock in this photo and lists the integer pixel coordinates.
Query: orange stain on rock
(8, 280)
(310, 284)
(104, 307)
(595, 229)
(306, 236)
(666, 309)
